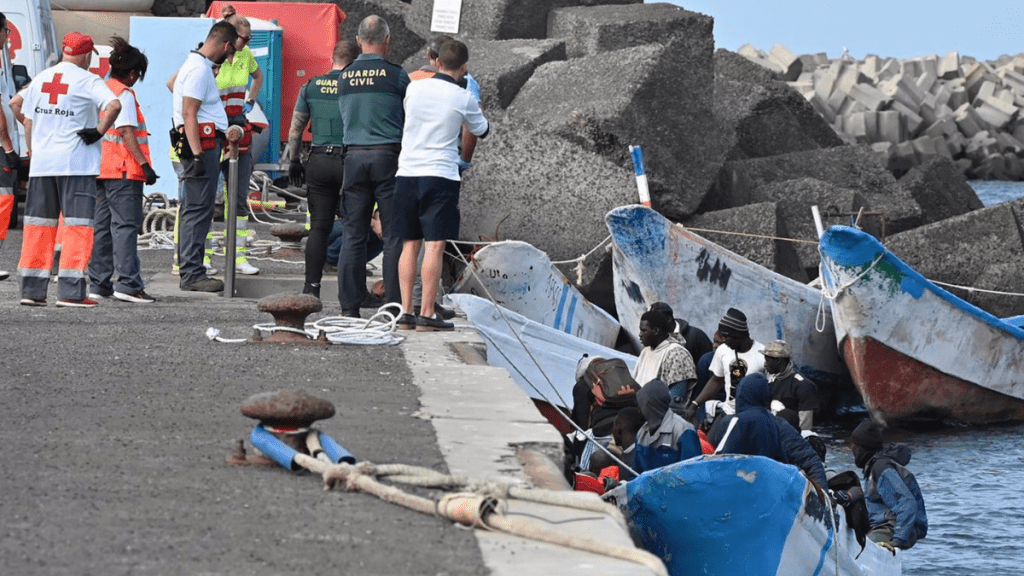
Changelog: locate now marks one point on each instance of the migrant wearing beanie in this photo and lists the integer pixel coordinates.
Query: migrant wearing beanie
(735, 323)
(867, 435)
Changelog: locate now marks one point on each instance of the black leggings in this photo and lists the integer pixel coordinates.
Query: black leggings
(323, 175)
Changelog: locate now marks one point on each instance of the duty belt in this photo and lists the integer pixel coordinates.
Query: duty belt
(329, 150)
(396, 148)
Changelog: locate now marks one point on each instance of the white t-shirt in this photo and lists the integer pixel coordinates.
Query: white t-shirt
(196, 80)
(725, 356)
(60, 101)
(127, 117)
(435, 110)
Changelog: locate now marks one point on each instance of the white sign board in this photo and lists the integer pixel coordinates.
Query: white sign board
(446, 16)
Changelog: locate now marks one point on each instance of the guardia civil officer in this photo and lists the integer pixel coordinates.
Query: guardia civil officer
(317, 107)
(371, 94)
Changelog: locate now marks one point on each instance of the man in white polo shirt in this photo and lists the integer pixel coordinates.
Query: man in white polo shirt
(427, 195)
(62, 134)
(201, 121)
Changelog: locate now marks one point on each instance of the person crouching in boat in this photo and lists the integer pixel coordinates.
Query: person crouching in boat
(663, 358)
(665, 438)
(895, 504)
(755, 431)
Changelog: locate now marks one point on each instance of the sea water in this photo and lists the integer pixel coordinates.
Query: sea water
(971, 480)
(992, 192)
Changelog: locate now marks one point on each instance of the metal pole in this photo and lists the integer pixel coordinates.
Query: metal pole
(230, 201)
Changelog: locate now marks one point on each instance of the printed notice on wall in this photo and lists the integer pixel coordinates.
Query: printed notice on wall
(446, 16)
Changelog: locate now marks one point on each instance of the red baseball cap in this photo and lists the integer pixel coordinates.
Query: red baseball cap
(76, 43)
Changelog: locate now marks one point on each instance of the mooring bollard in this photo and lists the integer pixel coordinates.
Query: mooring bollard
(290, 311)
(284, 431)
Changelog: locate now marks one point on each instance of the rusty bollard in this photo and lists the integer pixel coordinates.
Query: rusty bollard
(288, 415)
(291, 236)
(289, 311)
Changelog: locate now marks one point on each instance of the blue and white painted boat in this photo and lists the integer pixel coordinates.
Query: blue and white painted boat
(915, 351)
(656, 260)
(730, 515)
(522, 278)
(545, 369)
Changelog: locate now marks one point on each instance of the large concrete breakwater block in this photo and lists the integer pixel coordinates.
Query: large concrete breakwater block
(940, 188)
(405, 40)
(847, 166)
(590, 30)
(500, 19)
(794, 199)
(539, 188)
(501, 67)
(761, 115)
(983, 249)
(657, 96)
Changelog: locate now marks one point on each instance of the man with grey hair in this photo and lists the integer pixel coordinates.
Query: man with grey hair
(371, 91)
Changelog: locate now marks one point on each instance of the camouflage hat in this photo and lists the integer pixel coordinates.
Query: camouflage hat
(778, 349)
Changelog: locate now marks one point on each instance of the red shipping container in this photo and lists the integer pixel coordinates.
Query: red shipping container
(310, 33)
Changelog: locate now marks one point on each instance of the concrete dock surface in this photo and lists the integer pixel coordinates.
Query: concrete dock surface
(117, 421)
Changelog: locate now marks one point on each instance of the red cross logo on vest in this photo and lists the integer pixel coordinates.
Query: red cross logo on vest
(55, 88)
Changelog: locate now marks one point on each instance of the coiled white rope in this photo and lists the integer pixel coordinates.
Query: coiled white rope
(379, 330)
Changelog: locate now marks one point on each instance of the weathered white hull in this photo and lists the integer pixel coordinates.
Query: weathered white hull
(915, 351)
(656, 260)
(545, 368)
(522, 278)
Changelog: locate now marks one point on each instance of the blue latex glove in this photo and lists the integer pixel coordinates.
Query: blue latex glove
(473, 86)
(248, 106)
(464, 165)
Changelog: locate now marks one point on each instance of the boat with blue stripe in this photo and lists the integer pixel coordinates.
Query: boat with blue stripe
(521, 278)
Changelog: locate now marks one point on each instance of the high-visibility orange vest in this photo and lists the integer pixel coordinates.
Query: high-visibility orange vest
(117, 163)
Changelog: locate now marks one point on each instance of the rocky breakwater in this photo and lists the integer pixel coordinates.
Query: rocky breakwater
(909, 109)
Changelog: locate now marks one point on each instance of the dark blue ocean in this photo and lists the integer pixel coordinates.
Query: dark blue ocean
(972, 480)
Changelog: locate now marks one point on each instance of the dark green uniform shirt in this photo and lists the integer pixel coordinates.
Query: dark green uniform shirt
(319, 99)
(371, 92)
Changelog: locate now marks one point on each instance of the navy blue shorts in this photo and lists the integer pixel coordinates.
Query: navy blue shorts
(427, 208)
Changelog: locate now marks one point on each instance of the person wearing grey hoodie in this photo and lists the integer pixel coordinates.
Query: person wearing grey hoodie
(665, 438)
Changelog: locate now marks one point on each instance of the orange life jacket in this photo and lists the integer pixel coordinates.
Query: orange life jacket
(117, 163)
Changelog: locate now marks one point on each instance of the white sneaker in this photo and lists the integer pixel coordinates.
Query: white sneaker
(210, 270)
(97, 296)
(246, 269)
(4, 275)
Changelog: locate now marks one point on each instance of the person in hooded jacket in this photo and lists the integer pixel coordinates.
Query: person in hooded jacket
(894, 501)
(755, 431)
(665, 438)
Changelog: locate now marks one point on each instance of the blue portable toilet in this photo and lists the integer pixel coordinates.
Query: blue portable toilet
(150, 35)
(266, 46)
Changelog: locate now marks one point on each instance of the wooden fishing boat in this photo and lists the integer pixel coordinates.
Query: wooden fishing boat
(915, 351)
(522, 278)
(656, 260)
(731, 515)
(545, 368)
